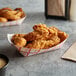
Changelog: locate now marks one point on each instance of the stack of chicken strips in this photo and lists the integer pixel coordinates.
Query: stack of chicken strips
(42, 37)
(8, 14)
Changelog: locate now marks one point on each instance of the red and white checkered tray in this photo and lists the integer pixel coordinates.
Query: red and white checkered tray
(27, 51)
(11, 23)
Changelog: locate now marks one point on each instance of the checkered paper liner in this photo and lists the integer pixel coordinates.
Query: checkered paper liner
(28, 51)
(11, 23)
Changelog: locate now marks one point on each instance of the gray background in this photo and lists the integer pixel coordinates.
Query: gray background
(46, 64)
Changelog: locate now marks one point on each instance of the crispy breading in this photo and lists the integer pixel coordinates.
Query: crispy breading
(42, 37)
(43, 44)
(19, 41)
(33, 36)
(10, 15)
(6, 8)
(53, 30)
(59, 33)
(36, 44)
(18, 9)
(62, 35)
(2, 19)
(3, 12)
(20, 12)
(42, 28)
(17, 35)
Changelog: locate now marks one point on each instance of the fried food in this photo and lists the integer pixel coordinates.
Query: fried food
(11, 14)
(53, 30)
(41, 28)
(19, 41)
(43, 44)
(42, 37)
(36, 44)
(62, 35)
(6, 8)
(20, 12)
(17, 35)
(18, 9)
(33, 36)
(2, 19)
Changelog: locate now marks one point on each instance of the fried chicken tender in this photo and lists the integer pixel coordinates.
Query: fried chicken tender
(44, 44)
(62, 35)
(13, 15)
(18, 9)
(20, 12)
(19, 41)
(36, 44)
(17, 35)
(53, 30)
(42, 37)
(42, 28)
(33, 36)
(6, 8)
(2, 19)
(10, 15)
(41, 32)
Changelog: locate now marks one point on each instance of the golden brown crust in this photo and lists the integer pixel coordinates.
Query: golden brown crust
(20, 12)
(36, 44)
(19, 41)
(18, 9)
(2, 19)
(11, 14)
(43, 44)
(33, 36)
(17, 35)
(6, 8)
(41, 38)
(53, 30)
(62, 35)
(41, 28)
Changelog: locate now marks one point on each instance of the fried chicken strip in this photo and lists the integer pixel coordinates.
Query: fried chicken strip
(43, 44)
(36, 44)
(2, 19)
(62, 35)
(33, 36)
(53, 30)
(6, 8)
(17, 35)
(19, 41)
(20, 12)
(11, 15)
(42, 28)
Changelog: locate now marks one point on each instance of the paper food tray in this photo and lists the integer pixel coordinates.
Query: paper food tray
(27, 51)
(11, 23)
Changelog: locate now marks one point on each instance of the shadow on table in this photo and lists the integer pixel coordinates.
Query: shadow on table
(10, 52)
